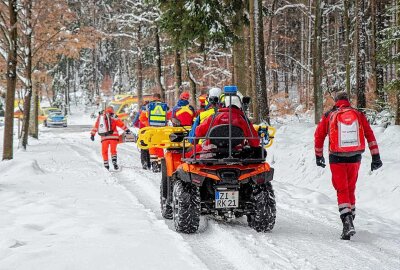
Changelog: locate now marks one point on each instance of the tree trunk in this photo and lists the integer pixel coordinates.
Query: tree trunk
(373, 43)
(28, 74)
(34, 123)
(239, 54)
(248, 63)
(381, 20)
(95, 90)
(253, 61)
(66, 95)
(178, 74)
(159, 76)
(360, 54)
(397, 117)
(317, 62)
(347, 52)
(193, 86)
(309, 54)
(11, 82)
(139, 68)
(269, 37)
(261, 84)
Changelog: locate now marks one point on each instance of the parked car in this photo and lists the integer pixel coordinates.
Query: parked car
(45, 112)
(56, 119)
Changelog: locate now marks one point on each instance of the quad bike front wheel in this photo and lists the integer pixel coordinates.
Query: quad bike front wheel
(186, 207)
(166, 209)
(263, 218)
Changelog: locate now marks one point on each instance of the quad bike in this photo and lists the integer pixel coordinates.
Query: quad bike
(228, 184)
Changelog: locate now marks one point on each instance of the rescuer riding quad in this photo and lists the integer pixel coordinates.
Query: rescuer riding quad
(227, 181)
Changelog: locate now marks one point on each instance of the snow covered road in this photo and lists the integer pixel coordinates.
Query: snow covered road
(60, 210)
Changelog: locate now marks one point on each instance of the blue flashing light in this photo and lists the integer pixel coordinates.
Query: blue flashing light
(230, 89)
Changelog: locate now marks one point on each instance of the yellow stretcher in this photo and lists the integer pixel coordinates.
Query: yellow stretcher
(162, 137)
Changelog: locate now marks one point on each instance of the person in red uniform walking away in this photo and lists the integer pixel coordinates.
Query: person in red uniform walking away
(183, 111)
(347, 129)
(238, 119)
(106, 126)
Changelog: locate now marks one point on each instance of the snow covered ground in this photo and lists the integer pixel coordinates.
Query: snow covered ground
(60, 210)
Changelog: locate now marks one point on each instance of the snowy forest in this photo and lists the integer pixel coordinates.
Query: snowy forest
(286, 55)
(122, 146)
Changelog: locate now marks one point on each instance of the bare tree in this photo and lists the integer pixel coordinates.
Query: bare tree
(28, 70)
(261, 83)
(317, 62)
(11, 36)
(360, 39)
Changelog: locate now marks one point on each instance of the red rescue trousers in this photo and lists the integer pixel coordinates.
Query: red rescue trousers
(344, 179)
(154, 151)
(112, 144)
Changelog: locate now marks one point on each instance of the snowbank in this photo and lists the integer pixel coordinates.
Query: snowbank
(60, 210)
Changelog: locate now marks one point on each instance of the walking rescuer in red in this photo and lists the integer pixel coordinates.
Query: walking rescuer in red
(347, 129)
(106, 126)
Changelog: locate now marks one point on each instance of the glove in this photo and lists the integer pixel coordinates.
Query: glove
(92, 138)
(321, 161)
(376, 162)
(128, 131)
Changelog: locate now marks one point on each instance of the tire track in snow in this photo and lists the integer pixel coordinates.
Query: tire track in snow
(123, 182)
(228, 239)
(298, 234)
(319, 230)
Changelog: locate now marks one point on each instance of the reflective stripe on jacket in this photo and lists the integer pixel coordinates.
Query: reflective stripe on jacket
(115, 122)
(157, 113)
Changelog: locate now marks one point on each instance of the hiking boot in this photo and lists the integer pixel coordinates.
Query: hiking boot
(348, 227)
(156, 167)
(145, 166)
(114, 162)
(106, 165)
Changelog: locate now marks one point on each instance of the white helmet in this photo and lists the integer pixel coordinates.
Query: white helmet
(234, 100)
(214, 92)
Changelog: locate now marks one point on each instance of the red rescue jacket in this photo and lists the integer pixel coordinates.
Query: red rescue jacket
(238, 119)
(115, 122)
(323, 130)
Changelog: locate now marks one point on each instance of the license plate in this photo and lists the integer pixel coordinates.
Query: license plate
(226, 199)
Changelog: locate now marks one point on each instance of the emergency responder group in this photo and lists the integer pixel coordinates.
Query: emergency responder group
(346, 127)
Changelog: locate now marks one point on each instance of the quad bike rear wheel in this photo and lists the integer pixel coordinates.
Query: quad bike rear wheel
(166, 209)
(264, 216)
(186, 207)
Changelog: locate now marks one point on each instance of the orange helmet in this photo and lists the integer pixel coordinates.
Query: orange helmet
(109, 110)
(203, 99)
(184, 96)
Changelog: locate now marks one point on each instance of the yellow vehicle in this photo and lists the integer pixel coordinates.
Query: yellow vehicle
(122, 104)
(44, 114)
(122, 97)
(121, 108)
(19, 105)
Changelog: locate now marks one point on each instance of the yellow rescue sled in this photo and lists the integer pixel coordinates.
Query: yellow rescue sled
(162, 137)
(168, 137)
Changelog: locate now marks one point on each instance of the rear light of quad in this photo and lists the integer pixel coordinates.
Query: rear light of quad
(197, 179)
(263, 177)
